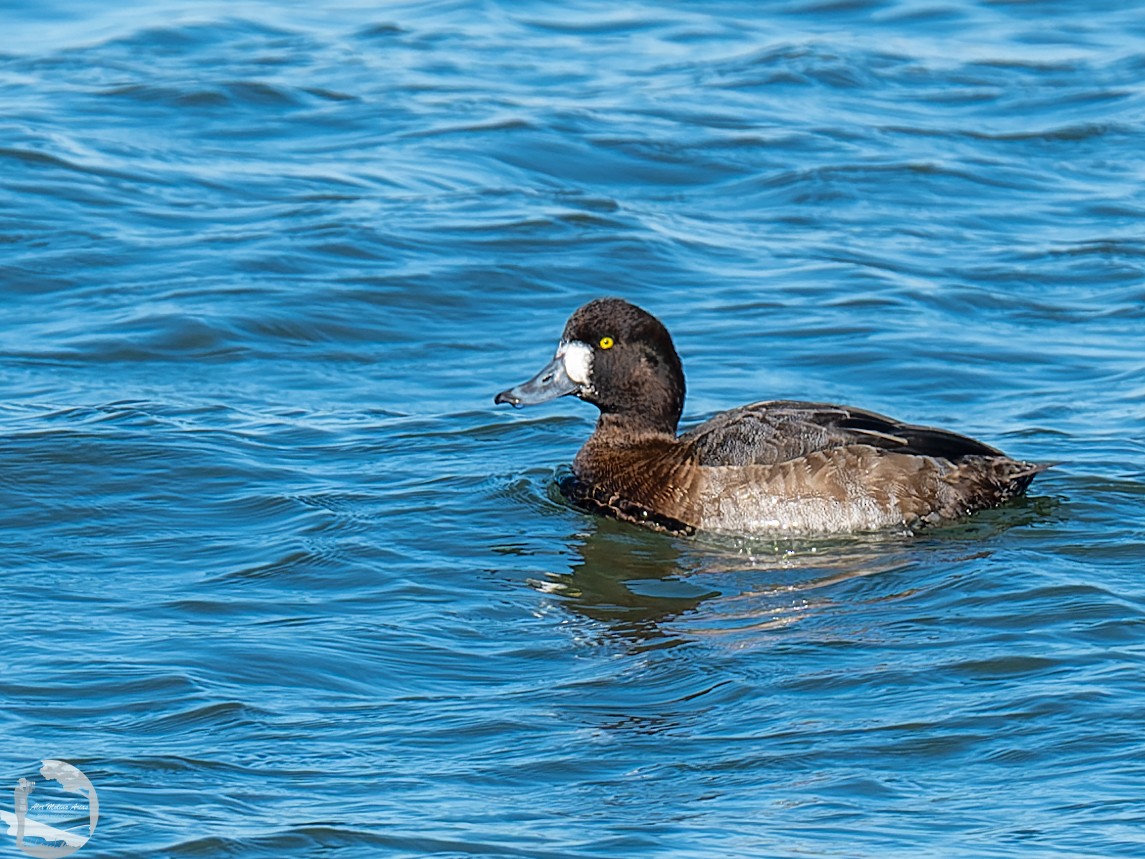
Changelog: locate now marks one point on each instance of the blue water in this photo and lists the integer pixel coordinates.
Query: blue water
(281, 580)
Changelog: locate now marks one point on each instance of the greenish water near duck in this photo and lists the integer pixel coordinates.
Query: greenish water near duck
(280, 580)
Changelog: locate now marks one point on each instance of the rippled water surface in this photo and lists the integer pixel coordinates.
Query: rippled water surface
(281, 580)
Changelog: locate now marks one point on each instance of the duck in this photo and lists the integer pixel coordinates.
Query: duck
(776, 466)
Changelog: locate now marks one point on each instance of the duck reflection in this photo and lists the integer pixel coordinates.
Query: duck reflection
(629, 578)
(656, 590)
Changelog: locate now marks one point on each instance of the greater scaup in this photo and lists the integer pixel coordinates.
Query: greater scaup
(766, 467)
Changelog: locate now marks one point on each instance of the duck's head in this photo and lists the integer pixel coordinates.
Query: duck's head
(617, 357)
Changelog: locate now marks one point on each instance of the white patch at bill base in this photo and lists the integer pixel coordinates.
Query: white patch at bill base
(577, 358)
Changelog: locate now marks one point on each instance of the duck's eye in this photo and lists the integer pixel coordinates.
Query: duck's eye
(606, 342)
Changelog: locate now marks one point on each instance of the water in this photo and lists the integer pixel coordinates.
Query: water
(280, 580)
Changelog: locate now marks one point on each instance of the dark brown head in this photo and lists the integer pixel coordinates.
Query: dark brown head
(618, 357)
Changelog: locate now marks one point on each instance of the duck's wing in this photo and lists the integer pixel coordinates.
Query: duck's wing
(781, 430)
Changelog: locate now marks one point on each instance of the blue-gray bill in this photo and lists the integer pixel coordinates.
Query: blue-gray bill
(552, 382)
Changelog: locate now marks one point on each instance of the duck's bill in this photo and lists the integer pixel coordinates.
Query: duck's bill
(550, 383)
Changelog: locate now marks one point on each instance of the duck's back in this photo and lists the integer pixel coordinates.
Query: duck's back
(777, 431)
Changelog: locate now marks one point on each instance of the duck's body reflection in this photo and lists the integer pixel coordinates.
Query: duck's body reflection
(655, 590)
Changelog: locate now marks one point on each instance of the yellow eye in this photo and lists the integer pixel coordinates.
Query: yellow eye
(605, 342)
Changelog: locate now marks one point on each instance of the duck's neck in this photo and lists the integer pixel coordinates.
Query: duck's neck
(632, 427)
